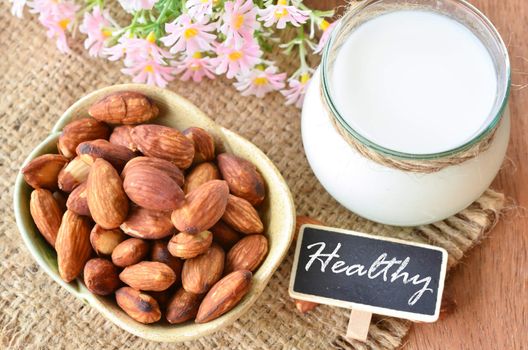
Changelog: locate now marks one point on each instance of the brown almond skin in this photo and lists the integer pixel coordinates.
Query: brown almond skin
(247, 254)
(183, 306)
(160, 253)
(116, 155)
(304, 306)
(224, 295)
(73, 245)
(104, 241)
(203, 207)
(241, 215)
(61, 200)
(129, 252)
(107, 200)
(43, 171)
(199, 175)
(138, 305)
(200, 273)
(149, 276)
(161, 164)
(185, 245)
(148, 224)
(46, 214)
(73, 174)
(125, 107)
(121, 136)
(204, 147)
(101, 277)
(78, 200)
(78, 131)
(165, 143)
(302, 220)
(243, 178)
(224, 235)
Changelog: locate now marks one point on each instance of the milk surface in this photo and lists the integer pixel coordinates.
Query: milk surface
(414, 81)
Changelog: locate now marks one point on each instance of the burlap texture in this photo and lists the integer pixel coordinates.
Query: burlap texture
(38, 84)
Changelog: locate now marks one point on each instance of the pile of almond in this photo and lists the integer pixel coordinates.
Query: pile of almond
(149, 213)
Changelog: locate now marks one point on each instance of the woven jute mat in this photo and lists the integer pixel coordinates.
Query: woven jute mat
(38, 83)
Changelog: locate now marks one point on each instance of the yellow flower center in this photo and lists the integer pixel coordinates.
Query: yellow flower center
(238, 22)
(324, 25)
(106, 33)
(190, 33)
(279, 13)
(304, 78)
(204, 1)
(63, 23)
(148, 68)
(195, 66)
(197, 54)
(282, 2)
(260, 81)
(151, 37)
(235, 55)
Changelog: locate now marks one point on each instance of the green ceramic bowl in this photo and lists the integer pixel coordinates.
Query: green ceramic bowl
(278, 213)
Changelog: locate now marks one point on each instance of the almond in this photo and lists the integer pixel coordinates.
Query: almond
(121, 136)
(125, 107)
(243, 178)
(224, 235)
(224, 295)
(241, 215)
(204, 147)
(302, 220)
(148, 275)
(129, 252)
(160, 253)
(161, 164)
(183, 306)
(46, 214)
(199, 175)
(61, 200)
(78, 200)
(43, 171)
(73, 245)
(185, 245)
(107, 201)
(73, 174)
(78, 131)
(116, 155)
(163, 297)
(203, 207)
(104, 241)
(304, 306)
(200, 273)
(148, 224)
(247, 254)
(140, 306)
(164, 142)
(101, 276)
(153, 189)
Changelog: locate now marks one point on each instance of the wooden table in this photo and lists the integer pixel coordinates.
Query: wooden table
(490, 286)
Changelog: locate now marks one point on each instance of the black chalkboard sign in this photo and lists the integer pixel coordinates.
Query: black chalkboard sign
(376, 274)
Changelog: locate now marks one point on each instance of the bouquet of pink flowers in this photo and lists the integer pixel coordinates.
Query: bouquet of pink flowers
(194, 39)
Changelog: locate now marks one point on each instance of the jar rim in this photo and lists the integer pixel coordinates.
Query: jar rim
(495, 114)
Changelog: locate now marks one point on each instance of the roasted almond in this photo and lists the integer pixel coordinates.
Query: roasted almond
(73, 245)
(163, 297)
(101, 276)
(78, 200)
(247, 254)
(129, 252)
(138, 305)
(224, 295)
(183, 306)
(148, 224)
(116, 155)
(46, 214)
(161, 164)
(243, 178)
(199, 175)
(185, 245)
(107, 201)
(241, 215)
(43, 171)
(164, 142)
(104, 241)
(160, 253)
(125, 107)
(200, 273)
(61, 200)
(78, 131)
(148, 275)
(204, 147)
(73, 174)
(304, 306)
(203, 207)
(121, 136)
(224, 235)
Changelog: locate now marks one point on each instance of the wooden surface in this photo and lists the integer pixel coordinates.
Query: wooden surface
(490, 286)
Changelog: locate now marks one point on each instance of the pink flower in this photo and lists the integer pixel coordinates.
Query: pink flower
(236, 60)
(295, 94)
(17, 9)
(283, 14)
(57, 17)
(195, 67)
(96, 26)
(150, 72)
(327, 30)
(188, 35)
(136, 5)
(260, 81)
(239, 21)
(117, 51)
(199, 9)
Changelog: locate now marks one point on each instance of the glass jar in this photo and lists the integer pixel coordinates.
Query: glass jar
(383, 193)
